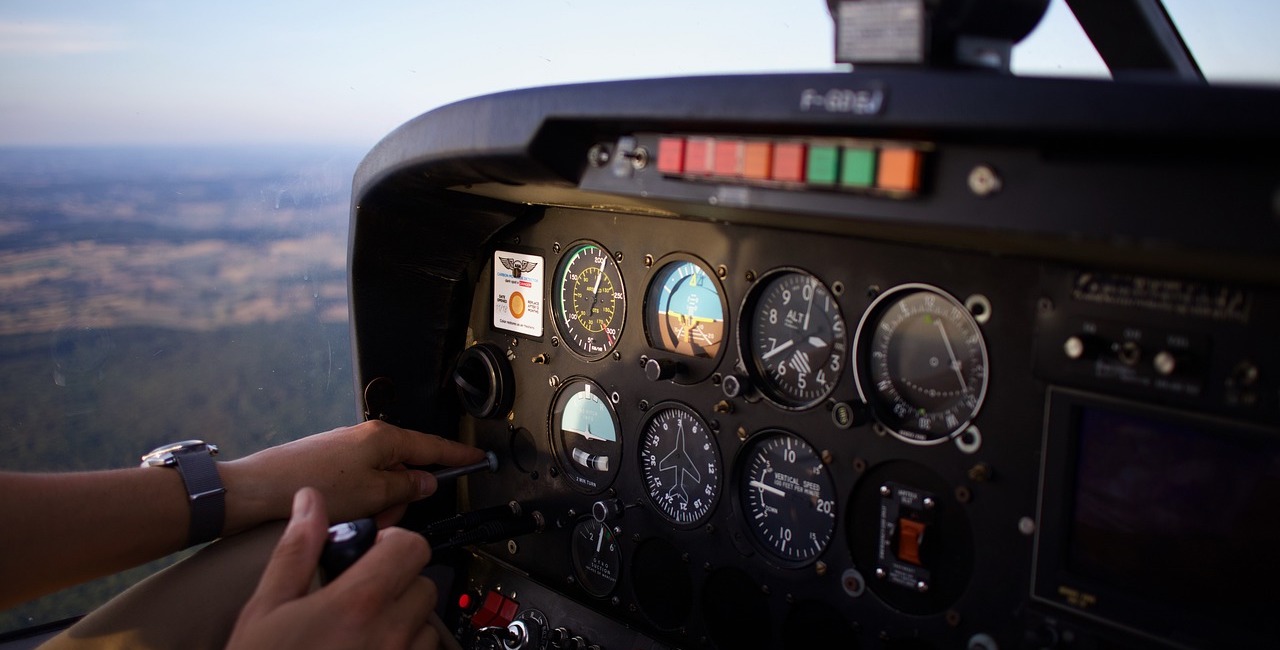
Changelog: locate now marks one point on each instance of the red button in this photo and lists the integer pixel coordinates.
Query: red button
(698, 155)
(729, 157)
(788, 162)
(671, 155)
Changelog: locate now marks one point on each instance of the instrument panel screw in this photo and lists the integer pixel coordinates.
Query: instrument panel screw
(751, 276)
(984, 181)
(598, 155)
(1027, 526)
(512, 547)
(648, 260)
(553, 381)
(880, 573)
(723, 407)
(922, 586)
(555, 341)
(615, 601)
(953, 618)
(617, 356)
(980, 473)
(885, 491)
(644, 405)
(618, 257)
(826, 456)
(742, 433)
(859, 465)
(963, 495)
(722, 271)
(820, 568)
(930, 503)
(555, 247)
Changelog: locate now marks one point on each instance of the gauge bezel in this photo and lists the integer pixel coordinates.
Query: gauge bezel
(580, 571)
(747, 353)
(558, 320)
(696, 368)
(741, 462)
(652, 415)
(861, 362)
(558, 451)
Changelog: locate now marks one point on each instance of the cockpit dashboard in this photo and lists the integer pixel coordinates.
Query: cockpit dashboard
(889, 359)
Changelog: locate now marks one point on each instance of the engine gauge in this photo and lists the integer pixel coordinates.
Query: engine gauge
(680, 462)
(787, 497)
(792, 338)
(590, 306)
(685, 311)
(922, 363)
(585, 435)
(597, 560)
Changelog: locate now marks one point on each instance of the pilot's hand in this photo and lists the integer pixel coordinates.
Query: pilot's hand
(379, 602)
(360, 470)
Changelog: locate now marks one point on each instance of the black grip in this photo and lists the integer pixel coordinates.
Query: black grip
(347, 542)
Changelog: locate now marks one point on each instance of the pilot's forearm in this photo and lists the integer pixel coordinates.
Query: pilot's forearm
(61, 529)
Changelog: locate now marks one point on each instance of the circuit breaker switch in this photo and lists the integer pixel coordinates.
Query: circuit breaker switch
(910, 540)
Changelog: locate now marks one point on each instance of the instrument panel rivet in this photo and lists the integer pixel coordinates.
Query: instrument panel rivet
(555, 247)
(980, 473)
(723, 407)
(722, 271)
(820, 568)
(512, 547)
(1027, 526)
(751, 276)
(826, 456)
(648, 260)
(953, 618)
(644, 405)
(553, 381)
(880, 573)
(618, 257)
(963, 495)
(742, 433)
(930, 503)
(859, 465)
(885, 491)
(837, 288)
(922, 586)
(984, 181)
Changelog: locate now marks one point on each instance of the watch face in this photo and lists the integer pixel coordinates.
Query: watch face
(163, 455)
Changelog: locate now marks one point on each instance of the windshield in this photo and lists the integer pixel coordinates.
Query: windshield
(175, 185)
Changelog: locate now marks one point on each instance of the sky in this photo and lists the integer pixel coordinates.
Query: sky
(147, 72)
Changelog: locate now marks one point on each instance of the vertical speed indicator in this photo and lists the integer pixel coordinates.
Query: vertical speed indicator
(590, 305)
(787, 497)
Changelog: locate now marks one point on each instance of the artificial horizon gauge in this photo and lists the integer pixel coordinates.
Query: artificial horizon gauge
(597, 559)
(787, 497)
(685, 310)
(921, 363)
(792, 338)
(680, 463)
(590, 304)
(585, 435)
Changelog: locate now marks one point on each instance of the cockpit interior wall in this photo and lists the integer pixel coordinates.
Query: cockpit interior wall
(897, 359)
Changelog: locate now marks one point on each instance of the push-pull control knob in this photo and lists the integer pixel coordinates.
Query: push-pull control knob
(662, 369)
(559, 636)
(484, 381)
(1083, 346)
(522, 634)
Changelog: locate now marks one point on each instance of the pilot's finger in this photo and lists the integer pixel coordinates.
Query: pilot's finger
(409, 613)
(428, 638)
(391, 563)
(293, 563)
(413, 448)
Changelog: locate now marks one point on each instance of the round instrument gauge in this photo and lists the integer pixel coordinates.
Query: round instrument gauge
(921, 363)
(590, 306)
(792, 338)
(680, 462)
(685, 311)
(597, 559)
(585, 435)
(787, 497)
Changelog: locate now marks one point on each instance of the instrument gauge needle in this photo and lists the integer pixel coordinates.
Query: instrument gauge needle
(955, 363)
(767, 488)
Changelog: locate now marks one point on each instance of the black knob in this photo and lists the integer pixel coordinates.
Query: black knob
(558, 636)
(662, 369)
(606, 510)
(484, 381)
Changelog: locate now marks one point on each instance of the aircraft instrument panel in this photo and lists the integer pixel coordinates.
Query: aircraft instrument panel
(986, 363)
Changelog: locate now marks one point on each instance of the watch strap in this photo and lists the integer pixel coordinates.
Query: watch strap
(205, 493)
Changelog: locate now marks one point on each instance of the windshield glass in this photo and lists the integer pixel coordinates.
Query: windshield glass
(175, 185)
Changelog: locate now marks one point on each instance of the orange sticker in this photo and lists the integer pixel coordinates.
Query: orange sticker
(516, 302)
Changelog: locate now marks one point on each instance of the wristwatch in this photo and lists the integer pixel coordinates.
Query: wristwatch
(194, 462)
